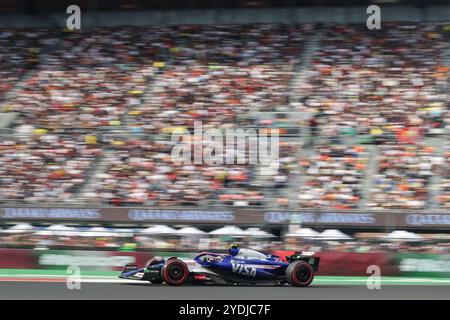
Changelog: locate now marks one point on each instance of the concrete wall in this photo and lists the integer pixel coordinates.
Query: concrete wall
(294, 15)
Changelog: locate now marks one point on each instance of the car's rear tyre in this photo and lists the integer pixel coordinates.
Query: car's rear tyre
(299, 274)
(175, 272)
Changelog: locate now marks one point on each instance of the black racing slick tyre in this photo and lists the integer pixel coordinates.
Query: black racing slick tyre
(299, 274)
(175, 272)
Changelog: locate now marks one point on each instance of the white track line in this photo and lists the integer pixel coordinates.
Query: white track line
(112, 279)
(408, 280)
(61, 279)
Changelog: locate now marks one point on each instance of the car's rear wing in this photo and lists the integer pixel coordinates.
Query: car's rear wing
(311, 260)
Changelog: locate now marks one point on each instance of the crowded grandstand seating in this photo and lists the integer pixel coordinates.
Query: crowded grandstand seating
(444, 197)
(218, 73)
(404, 173)
(333, 177)
(88, 80)
(83, 85)
(19, 53)
(386, 84)
(46, 167)
(141, 172)
(215, 75)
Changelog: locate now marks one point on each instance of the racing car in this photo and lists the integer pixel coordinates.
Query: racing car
(238, 267)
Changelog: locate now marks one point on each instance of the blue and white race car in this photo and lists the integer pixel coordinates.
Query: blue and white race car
(240, 266)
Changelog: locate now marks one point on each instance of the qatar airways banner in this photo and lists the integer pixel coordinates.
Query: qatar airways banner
(230, 216)
(324, 218)
(421, 220)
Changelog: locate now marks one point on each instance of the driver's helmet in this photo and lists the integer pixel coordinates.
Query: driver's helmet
(234, 250)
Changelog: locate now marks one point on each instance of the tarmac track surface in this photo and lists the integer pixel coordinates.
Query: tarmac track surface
(26, 290)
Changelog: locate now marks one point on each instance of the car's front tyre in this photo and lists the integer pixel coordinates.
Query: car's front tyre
(299, 274)
(175, 272)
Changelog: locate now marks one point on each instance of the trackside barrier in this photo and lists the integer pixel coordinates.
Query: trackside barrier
(351, 263)
(331, 263)
(424, 265)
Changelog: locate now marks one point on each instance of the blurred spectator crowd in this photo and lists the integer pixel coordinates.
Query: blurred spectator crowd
(391, 85)
(44, 168)
(19, 52)
(95, 110)
(333, 177)
(141, 172)
(444, 198)
(404, 174)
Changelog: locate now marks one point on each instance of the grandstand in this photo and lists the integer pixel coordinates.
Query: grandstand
(87, 119)
(87, 115)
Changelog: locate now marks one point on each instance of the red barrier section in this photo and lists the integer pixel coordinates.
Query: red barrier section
(18, 259)
(351, 263)
(331, 263)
